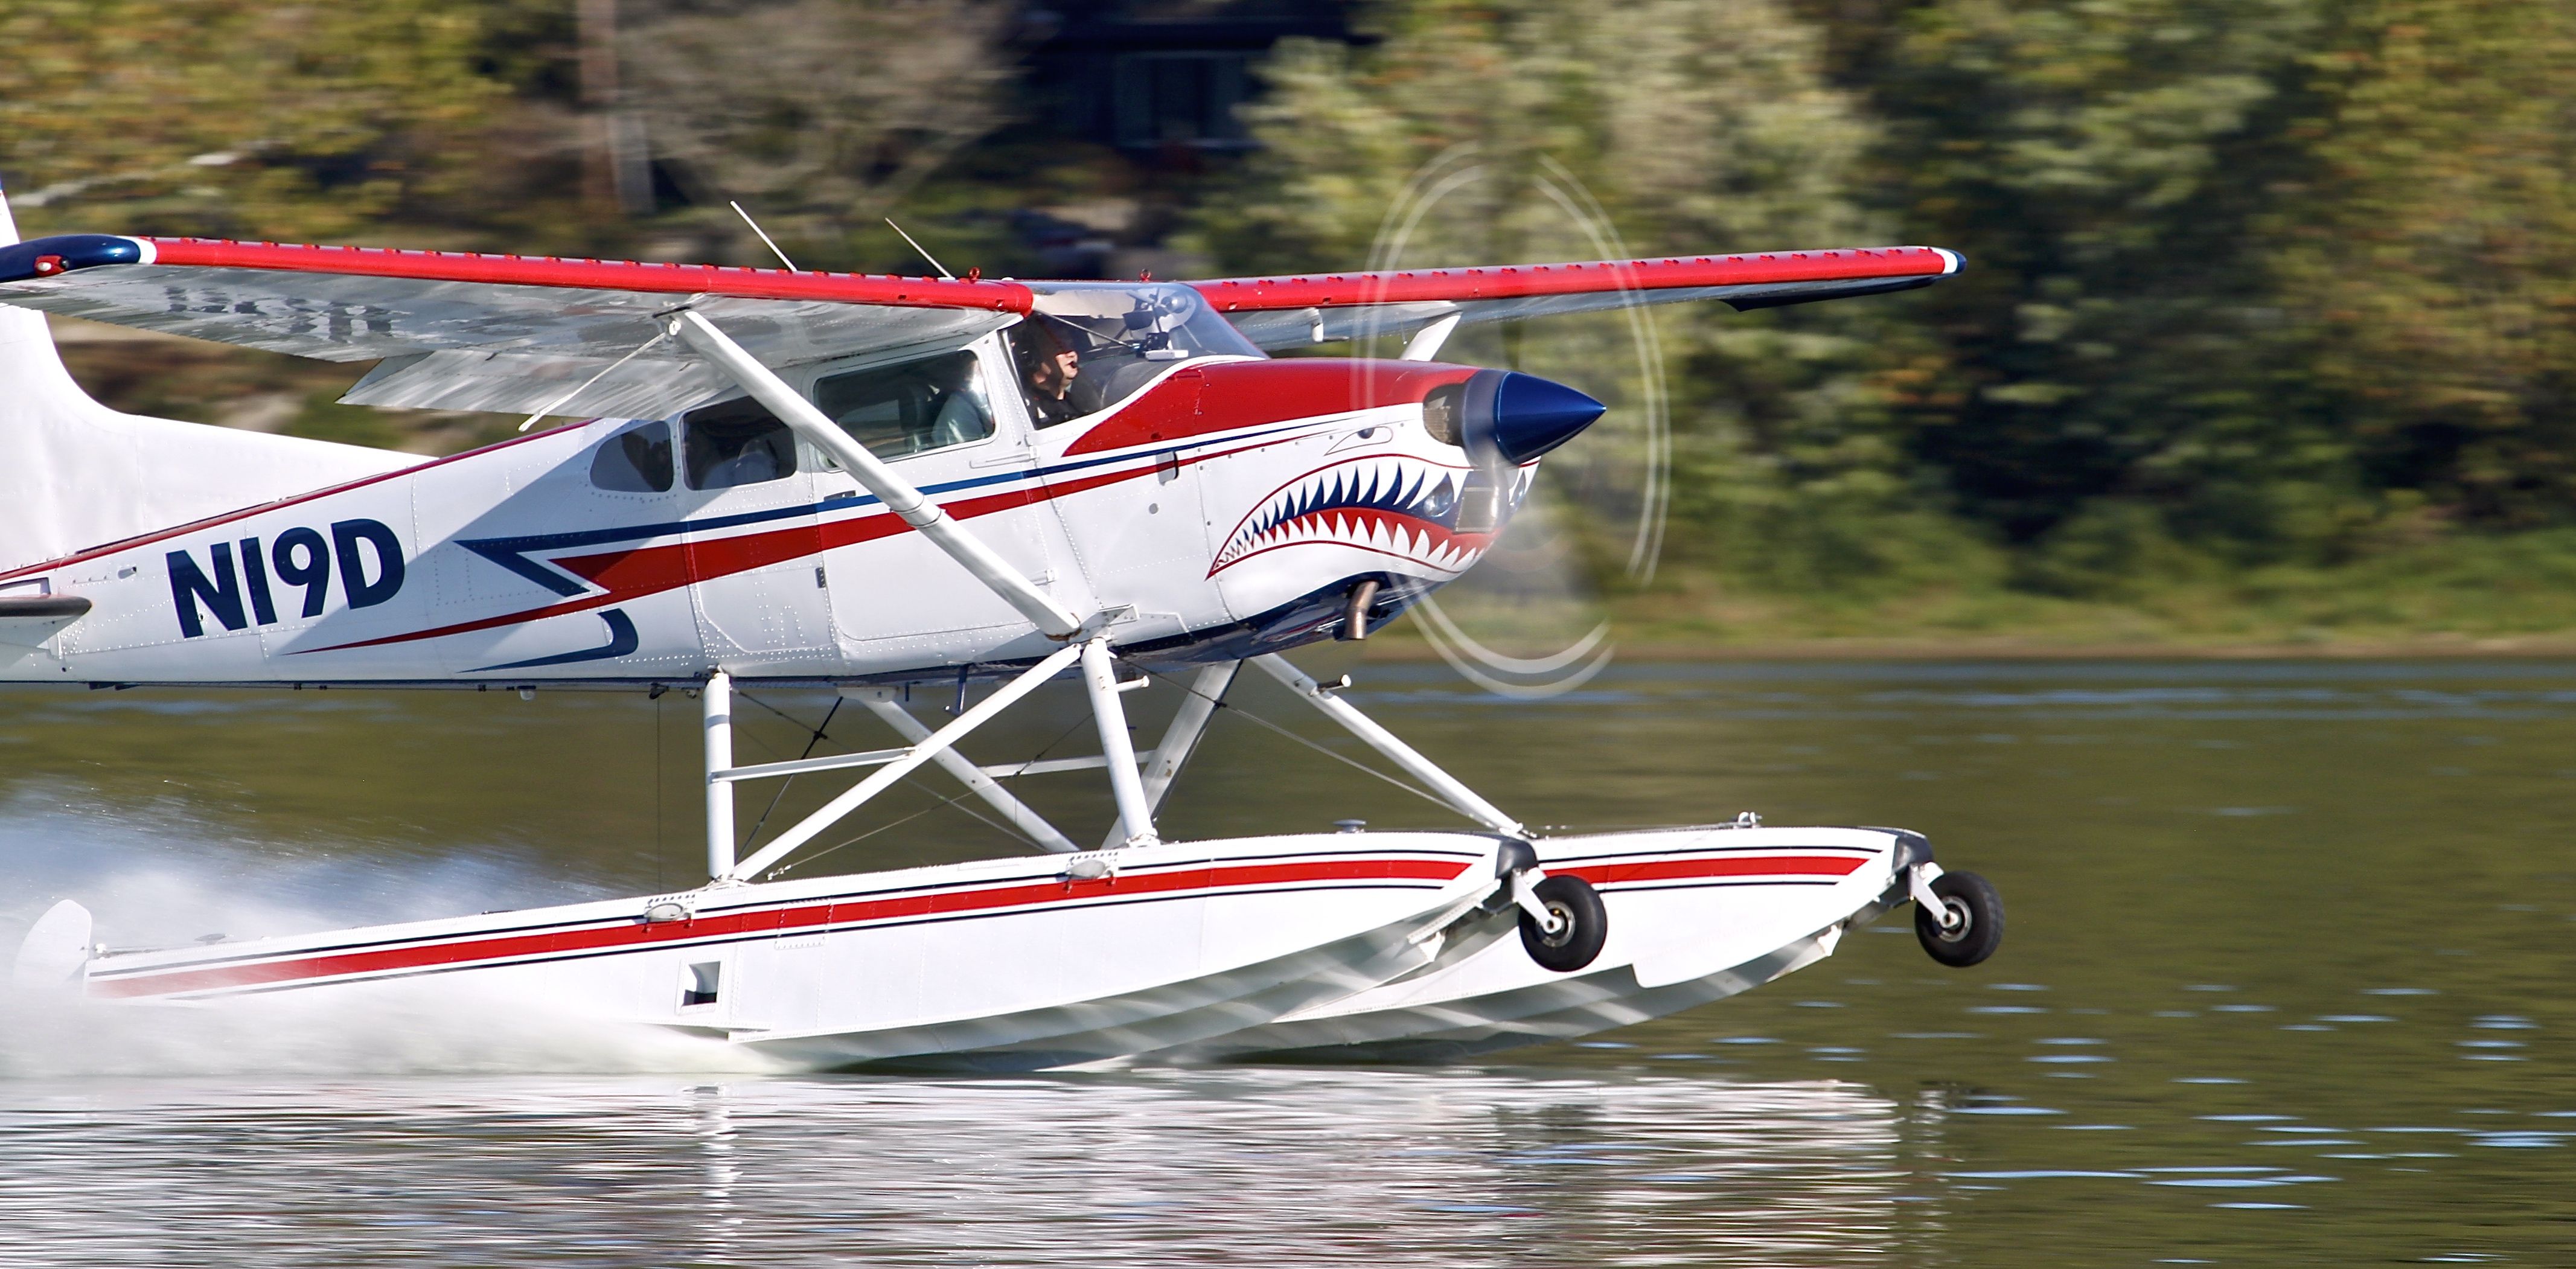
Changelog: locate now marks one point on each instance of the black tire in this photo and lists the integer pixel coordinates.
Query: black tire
(1587, 923)
(1974, 898)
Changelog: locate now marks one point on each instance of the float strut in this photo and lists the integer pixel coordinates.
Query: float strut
(1135, 814)
(1163, 767)
(717, 702)
(921, 752)
(1182, 738)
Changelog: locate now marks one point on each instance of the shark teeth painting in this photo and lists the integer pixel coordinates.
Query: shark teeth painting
(1404, 508)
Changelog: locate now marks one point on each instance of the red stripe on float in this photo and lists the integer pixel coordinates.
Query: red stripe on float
(1719, 866)
(836, 912)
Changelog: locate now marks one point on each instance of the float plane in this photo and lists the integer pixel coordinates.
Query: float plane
(880, 485)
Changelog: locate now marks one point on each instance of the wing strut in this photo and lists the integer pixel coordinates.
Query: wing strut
(1052, 618)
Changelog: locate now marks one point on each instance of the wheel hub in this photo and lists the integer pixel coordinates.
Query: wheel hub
(1559, 928)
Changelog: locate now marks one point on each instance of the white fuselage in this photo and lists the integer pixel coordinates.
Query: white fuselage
(1218, 512)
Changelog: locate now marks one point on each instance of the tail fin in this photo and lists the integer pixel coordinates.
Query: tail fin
(74, 473)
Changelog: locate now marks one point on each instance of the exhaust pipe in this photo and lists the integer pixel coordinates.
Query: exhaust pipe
(1355, 608)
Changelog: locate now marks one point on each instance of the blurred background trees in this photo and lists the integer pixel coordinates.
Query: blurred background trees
(246, 119)
(820, 115)
(2262, 294)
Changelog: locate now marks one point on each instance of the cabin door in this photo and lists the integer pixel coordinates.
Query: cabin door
(898, 602)
(753, 549)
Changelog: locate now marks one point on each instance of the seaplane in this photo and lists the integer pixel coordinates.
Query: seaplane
(884, 486)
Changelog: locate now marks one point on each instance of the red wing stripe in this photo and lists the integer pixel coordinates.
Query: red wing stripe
(1520, 281)
(597, 275)
(772, 920)
(1736, 866)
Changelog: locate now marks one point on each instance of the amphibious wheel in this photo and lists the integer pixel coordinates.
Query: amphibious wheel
(1978, 928)
(1581, 924)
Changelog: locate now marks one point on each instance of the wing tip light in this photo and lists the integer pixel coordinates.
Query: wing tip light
(42, 258)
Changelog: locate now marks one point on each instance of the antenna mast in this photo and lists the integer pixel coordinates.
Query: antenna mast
(764, 236)
(925, 252)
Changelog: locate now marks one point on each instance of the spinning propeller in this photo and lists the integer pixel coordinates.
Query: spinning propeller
(1530, 620)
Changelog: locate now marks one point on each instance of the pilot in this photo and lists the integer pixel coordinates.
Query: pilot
(1050, 355)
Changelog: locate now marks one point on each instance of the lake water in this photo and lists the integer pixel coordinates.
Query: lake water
(2287, 981)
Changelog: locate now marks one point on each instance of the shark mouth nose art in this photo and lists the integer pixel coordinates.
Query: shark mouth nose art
(1399, 507)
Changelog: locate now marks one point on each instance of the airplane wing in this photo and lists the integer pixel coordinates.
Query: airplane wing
(464, 331)
(1286, 312)
(453, 330)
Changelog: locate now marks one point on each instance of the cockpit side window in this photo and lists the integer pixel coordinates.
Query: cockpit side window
(637, 460)
(1049, 353)
(1088, 347)
(920, 405)
(737, 442)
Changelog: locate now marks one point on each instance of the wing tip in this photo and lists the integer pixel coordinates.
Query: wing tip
(54, 256)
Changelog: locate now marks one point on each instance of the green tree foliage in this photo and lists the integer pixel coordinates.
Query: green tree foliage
(818, 114)
(1704, 120)
(2263, 281)
(1472, 133)
(239, 118)
(2103, 165)
(2433, 260)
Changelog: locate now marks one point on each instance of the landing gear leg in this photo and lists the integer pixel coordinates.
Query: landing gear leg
(1958, 916)
(1563, 923)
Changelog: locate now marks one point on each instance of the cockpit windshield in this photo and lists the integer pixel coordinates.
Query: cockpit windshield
(1090, 346)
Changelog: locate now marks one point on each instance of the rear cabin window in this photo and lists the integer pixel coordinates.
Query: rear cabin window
(637, 460)
(898, 410)
(738, 442)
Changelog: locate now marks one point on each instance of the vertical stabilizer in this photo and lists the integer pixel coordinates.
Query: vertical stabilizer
(74, 473)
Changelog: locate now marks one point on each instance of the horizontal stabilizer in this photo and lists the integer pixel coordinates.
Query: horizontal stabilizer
(27, 620)
(42, 607)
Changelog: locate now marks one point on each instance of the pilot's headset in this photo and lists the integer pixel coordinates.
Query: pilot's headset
(1039, 338)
